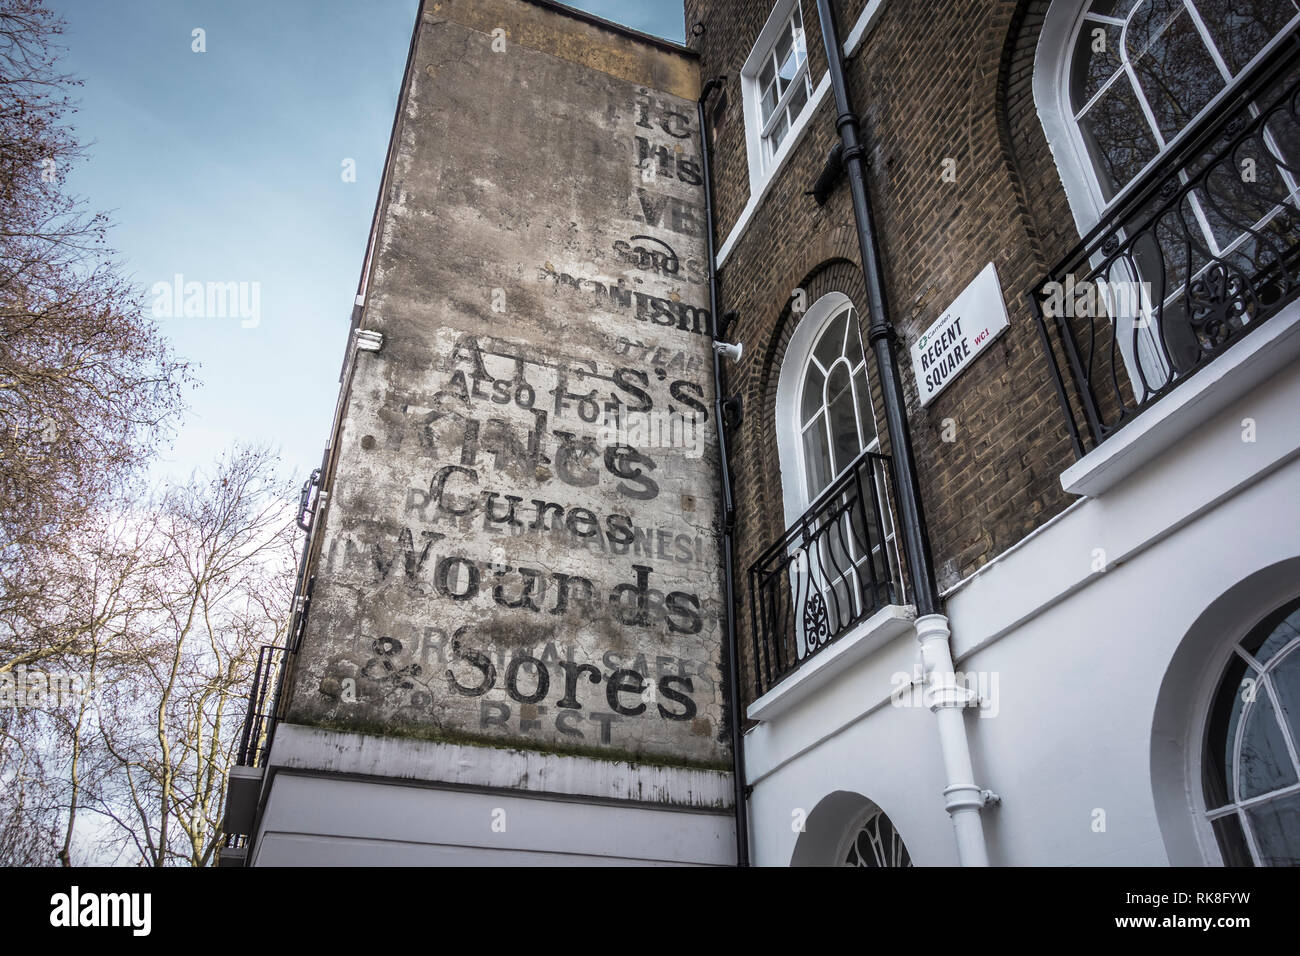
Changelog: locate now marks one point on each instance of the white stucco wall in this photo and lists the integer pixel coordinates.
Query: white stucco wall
(1079, 658)
(335, 821)
(342, 798)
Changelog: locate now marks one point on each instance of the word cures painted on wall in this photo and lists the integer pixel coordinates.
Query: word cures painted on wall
(966, 328)
(573, 526)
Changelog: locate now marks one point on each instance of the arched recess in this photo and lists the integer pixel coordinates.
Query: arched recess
(1183, 706)
(847, 829)
(761, 470)
(1044, 209)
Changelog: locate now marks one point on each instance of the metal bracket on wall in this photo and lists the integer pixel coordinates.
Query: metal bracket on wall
(733, 411)
(308, 501)
(728, 317)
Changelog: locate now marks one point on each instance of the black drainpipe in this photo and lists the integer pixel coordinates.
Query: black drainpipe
(728, 505)
(916, 540)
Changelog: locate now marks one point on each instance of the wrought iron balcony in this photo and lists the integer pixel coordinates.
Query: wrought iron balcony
(832, 569)
(1198, 252)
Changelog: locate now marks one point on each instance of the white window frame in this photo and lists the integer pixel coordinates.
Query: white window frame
(789, 393)
(760, 181)
(795, 496)
(871, 815)
(800, 428)
(764, 162)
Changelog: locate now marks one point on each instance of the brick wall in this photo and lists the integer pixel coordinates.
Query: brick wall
(934, 80)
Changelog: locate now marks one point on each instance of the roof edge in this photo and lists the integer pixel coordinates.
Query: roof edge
(583, 15)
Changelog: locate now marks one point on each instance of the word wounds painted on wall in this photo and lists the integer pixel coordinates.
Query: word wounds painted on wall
(521, 544)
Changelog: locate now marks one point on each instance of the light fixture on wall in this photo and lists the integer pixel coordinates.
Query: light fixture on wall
(729, 350)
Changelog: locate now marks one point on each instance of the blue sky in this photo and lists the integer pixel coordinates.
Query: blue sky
(226, 166)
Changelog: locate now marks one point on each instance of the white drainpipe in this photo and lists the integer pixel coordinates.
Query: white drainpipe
(948, 701)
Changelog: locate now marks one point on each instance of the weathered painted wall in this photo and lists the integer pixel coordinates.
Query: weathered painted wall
(521, 543)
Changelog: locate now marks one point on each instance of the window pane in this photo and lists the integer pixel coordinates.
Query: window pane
(831, 344)
(779, 130)
(1276, 825)
(1233, 206)
(785, 59)
(1177, 75)
(797, 99)
(817, 457)
(843, 418)
(1148, 22)
(1265, 763)
(812, 394)
(768, 102)
(1241, 28)
(1096, 60)
(1286, 682)
(1283, 634)
(1232, 842)
(1217, 765)
(1117, 136)
(862, 390)
(853, 345)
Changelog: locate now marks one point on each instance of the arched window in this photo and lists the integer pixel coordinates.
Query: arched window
(824, 423)
(1116, 82)
(824, 418)
(834, 416)
(1250, 766)
(873, 841)
(845, 828)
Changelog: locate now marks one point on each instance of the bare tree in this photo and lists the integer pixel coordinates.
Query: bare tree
(172, 600)
(227, 544)
(163, 598)
(88, 387)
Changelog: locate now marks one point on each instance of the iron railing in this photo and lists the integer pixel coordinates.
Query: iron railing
(1199, 251)
(831, 569)
(263, 699)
